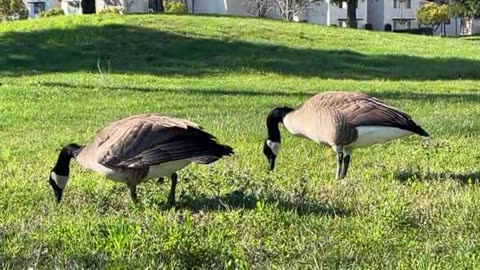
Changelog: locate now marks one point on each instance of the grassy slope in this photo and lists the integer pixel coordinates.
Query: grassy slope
(409, 204)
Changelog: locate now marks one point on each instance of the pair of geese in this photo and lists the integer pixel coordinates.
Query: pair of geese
(142, 147)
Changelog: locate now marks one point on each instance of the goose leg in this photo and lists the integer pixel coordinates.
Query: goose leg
(339, 165)
(346, 163)
(171, 196)
(133, 193)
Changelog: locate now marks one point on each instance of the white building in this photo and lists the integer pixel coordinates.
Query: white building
(222, 7)
(128, 6)
(327, 13)
(399, 14)
(71, 7)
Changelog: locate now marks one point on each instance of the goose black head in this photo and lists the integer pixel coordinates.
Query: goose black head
(271, 149)
(271, 146)
(61, 171)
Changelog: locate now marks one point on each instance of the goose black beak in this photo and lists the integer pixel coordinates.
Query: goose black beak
(271, 162)
(57, 190)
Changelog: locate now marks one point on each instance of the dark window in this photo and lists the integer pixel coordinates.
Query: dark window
(38, 7)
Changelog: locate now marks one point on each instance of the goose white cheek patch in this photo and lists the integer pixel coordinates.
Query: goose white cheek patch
(60, 180)
(274, 146)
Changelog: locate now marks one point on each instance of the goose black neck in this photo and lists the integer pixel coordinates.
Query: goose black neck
(273, 119)
(62, 167)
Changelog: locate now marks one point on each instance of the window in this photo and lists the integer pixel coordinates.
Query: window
(73, 8)
(402, 3)
(38, 7)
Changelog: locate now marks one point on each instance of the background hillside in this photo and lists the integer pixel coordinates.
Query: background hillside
(412, 203)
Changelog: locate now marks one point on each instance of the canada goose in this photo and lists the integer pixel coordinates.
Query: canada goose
(139, 148)
(341, 120)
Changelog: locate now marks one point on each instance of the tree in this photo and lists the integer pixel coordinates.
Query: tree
(351, 11)
(258, 8)
(433, 14)
(289, 8)
(10, 8)
(158, 6)
(466, 8)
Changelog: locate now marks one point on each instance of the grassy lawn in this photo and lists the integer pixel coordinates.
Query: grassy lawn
(412, 203)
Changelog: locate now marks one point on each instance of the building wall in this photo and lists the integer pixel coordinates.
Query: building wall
(454, 28)
(476, 26)
(224, 7)
(328, 13)
(136, 6)
(236, 7)
(130, 6)
(318, 13)
(71, 7)
(376, 10)
(208, 6)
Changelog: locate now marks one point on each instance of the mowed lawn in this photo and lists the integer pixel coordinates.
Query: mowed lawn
(413, 203)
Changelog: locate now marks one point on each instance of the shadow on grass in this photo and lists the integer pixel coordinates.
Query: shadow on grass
(186, 91)
(393, 95)
(239, 200)
(463, 178)
(132, 49)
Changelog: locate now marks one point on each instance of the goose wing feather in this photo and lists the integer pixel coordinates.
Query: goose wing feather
(359, 109)
(146, 140)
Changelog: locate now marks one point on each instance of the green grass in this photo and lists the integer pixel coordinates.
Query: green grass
(407, 204)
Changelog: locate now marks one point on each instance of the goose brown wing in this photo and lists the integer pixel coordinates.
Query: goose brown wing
(146, 141)
(370, 111)
(359, 109)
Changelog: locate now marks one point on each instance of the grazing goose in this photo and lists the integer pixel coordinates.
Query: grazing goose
(341, 120)
(139, 148)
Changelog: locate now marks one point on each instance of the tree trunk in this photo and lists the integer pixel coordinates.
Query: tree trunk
(161, 8)
(352, 13)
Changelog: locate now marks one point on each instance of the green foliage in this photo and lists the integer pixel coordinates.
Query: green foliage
(433, 14)
(174, 7)
(466, 8)
(52, 12)
(111, 11)
(409, 204)
(12, 8)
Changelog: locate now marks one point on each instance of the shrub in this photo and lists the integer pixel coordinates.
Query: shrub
(388, 27)
(174, 7)
(417, 31)
(52, 12)
(111, 11)
(433, 14)
(368, 26)
(12, 10)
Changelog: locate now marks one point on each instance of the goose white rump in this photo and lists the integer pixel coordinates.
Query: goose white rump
(167, 168)
(370, 135)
